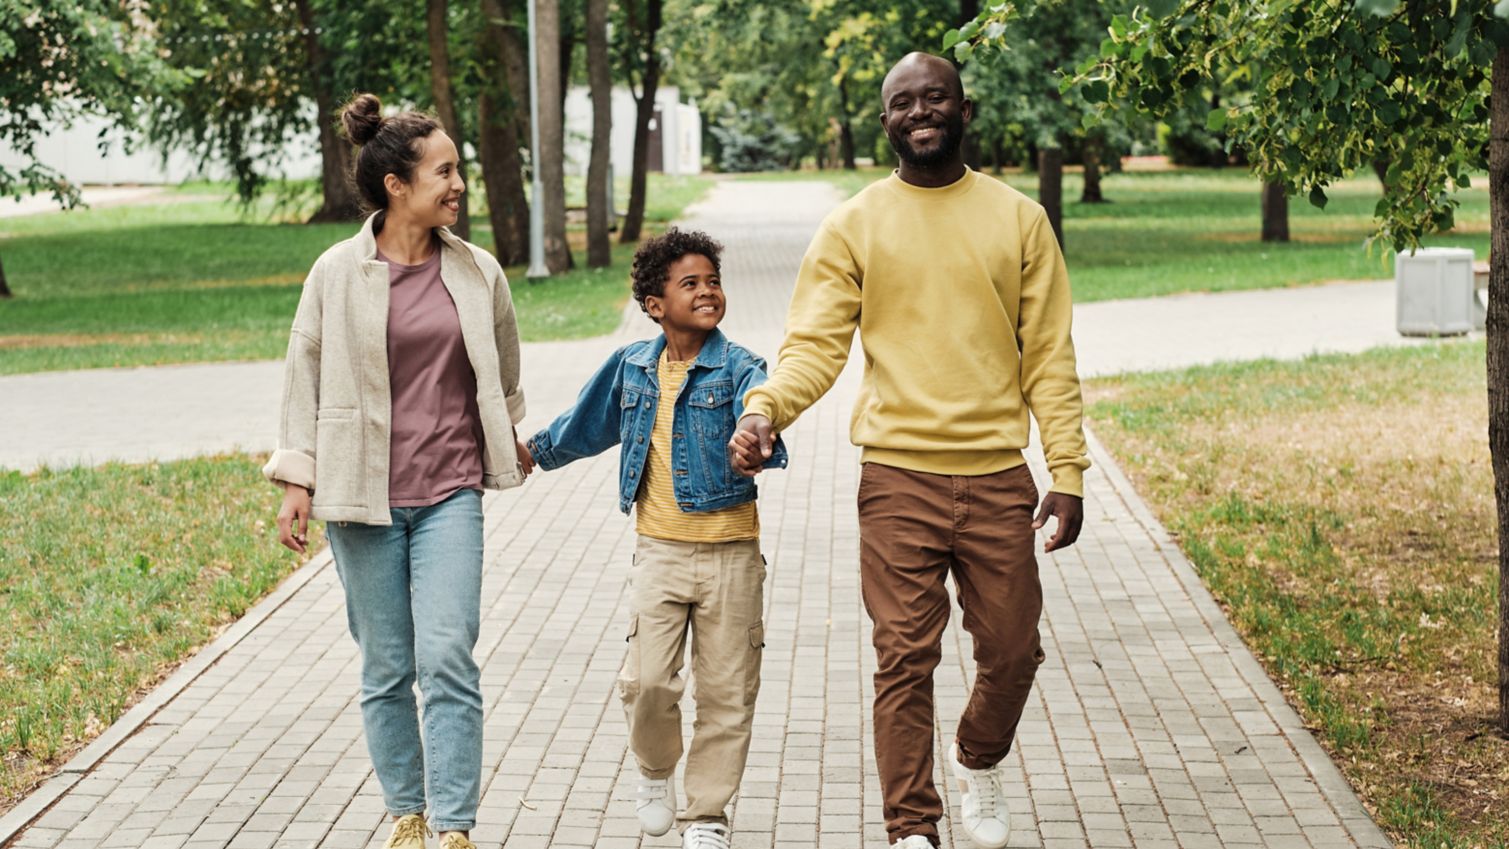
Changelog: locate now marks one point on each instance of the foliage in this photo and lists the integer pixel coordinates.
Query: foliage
(59, 61)
(750, 140)
(1332, 87)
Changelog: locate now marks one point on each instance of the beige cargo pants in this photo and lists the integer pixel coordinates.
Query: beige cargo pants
(718, 590)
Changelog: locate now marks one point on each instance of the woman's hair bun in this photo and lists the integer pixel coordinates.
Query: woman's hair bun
(362, 118)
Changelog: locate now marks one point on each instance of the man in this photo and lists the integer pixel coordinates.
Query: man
(958, 287)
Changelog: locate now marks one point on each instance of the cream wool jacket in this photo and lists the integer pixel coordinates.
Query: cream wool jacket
(336, 417)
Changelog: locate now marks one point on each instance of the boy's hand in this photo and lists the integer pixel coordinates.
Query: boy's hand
(751, 445)
(1070, 512)
(526, 459)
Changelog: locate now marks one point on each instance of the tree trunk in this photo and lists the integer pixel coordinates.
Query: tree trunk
(4, 289)
(1050, 187)
(552, 163)
(499, 135)
(634, 220)
(1498, 351)
(1275, 212)
(845, 129)
(599, 212)
(1094, 145)
(445, 105)
(337, 191)
(1380, 167)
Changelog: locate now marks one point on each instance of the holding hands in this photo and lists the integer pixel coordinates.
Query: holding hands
(751, 445)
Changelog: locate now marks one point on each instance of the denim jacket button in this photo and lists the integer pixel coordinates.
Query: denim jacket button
(640, 440)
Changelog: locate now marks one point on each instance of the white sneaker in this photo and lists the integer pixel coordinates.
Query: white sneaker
(914, 841)
(655, 803)
(986, 820)
(705, 835)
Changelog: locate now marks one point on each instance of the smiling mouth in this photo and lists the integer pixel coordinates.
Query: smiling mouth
(706, 308)
(452, 203)
(924, 133)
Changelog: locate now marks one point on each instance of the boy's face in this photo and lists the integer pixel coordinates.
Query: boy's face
(693, 299)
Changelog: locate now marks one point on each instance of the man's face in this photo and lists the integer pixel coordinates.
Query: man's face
(925, 114)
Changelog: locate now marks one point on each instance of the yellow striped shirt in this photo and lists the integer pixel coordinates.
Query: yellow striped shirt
(657, 513)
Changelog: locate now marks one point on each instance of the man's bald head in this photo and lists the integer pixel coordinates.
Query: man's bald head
(924, 63)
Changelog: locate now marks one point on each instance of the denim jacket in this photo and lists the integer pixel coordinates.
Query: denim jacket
(618, 405)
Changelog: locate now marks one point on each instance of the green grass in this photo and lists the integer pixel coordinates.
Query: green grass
(1198, 230)
(108, 578)
(1336, 508)
(193, 279)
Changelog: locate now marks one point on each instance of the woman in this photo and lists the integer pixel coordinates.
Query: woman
(400, 395)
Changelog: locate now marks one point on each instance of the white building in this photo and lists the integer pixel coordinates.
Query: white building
(675, 132)
(90, 152)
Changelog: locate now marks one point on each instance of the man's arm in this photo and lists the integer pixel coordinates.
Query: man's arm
(1050, 382)
(820, 328)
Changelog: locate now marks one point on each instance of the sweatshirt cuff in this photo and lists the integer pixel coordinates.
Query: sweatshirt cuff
(287, 466)
(1069, 480)
(758, 405)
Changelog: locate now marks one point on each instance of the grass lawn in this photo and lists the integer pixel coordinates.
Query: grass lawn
(190, 279)
(1341, 510)
(98, 604)
(1197, 230)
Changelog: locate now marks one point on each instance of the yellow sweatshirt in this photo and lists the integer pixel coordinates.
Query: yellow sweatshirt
(962, 303)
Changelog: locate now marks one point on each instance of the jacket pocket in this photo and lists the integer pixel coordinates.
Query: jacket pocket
(711, 410)
(338, 480)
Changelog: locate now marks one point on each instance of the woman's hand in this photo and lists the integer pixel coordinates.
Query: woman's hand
(293, 518)
(526, 460)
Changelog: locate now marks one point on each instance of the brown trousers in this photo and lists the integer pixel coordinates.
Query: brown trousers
(914, 529)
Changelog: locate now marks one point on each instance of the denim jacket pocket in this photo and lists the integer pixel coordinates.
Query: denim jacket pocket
(711, 410)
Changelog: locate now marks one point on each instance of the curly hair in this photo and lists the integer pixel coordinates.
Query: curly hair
(653, 260)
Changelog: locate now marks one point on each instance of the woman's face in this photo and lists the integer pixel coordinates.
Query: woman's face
(432, 197)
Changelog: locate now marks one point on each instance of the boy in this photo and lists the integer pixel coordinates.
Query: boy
(672, 402)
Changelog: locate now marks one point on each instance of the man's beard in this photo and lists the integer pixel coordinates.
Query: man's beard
(948, 146)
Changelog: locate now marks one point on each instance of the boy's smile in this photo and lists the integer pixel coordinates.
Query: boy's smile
(692, 302)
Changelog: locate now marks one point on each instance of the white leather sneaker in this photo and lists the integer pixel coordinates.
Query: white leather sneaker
(986, 820)
(655, 803)
(913, 841)
(705, 835)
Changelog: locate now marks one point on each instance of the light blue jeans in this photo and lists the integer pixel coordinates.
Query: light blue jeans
(413, 598)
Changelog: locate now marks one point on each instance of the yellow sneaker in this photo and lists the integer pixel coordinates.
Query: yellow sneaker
(408, 833)
(456, 840)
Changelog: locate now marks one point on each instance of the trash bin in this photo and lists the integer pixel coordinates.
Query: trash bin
(1435, 292)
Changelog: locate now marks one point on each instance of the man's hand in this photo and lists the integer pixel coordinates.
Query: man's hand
(1070, 512)
(526, 459)
(293, 518)
(751, 445)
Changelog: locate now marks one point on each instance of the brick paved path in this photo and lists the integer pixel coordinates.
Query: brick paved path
(1151, 725)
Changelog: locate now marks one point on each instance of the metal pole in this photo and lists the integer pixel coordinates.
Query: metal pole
(537, 268)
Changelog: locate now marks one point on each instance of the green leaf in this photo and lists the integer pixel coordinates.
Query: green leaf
(1380, 8)
(969, 30)
(1318, 197)
(1216, 120)
(1501, 9)
(951, 38)
(1118, 27)
(1096, 91)
(962, 51)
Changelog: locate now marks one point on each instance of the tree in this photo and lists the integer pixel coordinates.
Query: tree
(258, 68)
(59, 61)
(599, 209)
(502, 128)
(1049, 39)
(641, 57)
(1409, 82)
(439, 32)
(552, 152)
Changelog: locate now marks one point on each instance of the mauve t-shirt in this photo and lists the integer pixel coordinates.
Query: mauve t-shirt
(437, 432)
